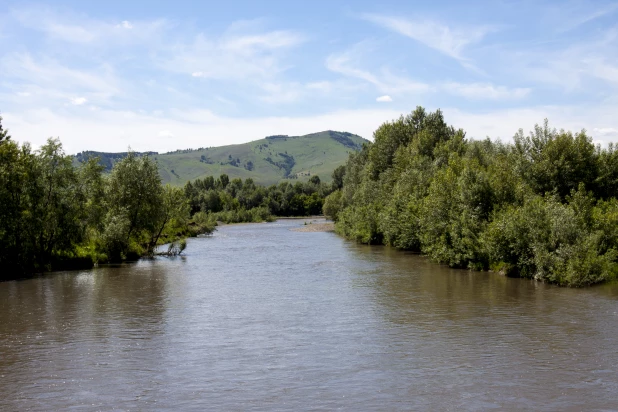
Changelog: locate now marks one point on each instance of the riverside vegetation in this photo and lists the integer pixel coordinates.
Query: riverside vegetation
(542, 207)
(54, 215)
(235, 201)
(59, 214)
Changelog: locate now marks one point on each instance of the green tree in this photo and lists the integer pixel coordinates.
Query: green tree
(174, 212)
(15, 249)
(4, 134)
(338, 175)
(332, 205)
(135, 200)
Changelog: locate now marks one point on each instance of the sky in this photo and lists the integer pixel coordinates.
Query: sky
(161, 75)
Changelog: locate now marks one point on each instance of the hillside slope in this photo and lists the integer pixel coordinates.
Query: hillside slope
(266, 161)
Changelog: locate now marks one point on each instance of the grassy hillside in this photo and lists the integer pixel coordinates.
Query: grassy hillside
(266, 161)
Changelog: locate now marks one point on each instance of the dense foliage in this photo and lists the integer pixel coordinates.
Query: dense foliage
(234, 201)
(543, 207)
(55, 215)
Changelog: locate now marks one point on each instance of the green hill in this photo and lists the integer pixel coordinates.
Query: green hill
(266, 161)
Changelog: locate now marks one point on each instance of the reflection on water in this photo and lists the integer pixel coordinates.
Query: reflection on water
(260, 317)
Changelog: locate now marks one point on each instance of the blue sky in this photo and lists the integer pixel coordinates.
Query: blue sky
(169, 75)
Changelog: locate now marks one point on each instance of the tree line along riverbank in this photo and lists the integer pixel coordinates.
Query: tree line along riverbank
(56, 215)
(542, 206)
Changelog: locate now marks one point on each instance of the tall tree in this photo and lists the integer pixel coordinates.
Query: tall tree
(4, 134)
(134, 199)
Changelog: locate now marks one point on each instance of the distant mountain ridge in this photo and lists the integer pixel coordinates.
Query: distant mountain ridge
(266, 161)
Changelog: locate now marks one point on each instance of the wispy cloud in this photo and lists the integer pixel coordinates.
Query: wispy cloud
(292, 92)
(78, 101)
(267, 41)
(348, 64)
(485, 91)
(166, 133)
(142, 80)
(450, 41)
(45, 77)
(77, 28)
(582, 14)
(503, 123)
(231, 56)
(282, 92)
(115, 130)
(574, 67)
(125, 24)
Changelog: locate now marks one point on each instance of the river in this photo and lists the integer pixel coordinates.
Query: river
(259, 317)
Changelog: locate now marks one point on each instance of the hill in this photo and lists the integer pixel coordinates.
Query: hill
(266, 161)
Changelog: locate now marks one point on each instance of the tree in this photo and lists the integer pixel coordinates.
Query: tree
(174, 211)
(332, 204)
(224, 180)
(4, 134)
(338, 175)
(41, 214)
(14, 248)
(135, 200)
(56, 198)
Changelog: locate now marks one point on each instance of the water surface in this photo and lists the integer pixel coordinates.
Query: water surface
(259, 317)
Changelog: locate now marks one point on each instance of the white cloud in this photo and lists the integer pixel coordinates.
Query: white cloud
(232, 56)
(125, 24)
(578, 16)
(79, 29)
(72, 56)
(605, 131)
(47, 79)
(447, 40)
(165, 133)
(504, 123)
(384, 99)
(282, 92)
(78, 101)
(109, 130)
(603, 70)
(112, 130)
(348, 62)
(576, 67)
(485, 91)
(323, 86)
(271, 40)
(288, 92)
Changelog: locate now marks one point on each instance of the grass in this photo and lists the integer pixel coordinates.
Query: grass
(313, 154)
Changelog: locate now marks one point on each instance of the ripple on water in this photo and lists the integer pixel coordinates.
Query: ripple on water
(261, 317)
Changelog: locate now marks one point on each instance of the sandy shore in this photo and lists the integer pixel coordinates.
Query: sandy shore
(316, 227)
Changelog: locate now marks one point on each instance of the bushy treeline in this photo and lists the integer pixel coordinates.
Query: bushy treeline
(54, 215)
(234, 201)
(542, 207)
